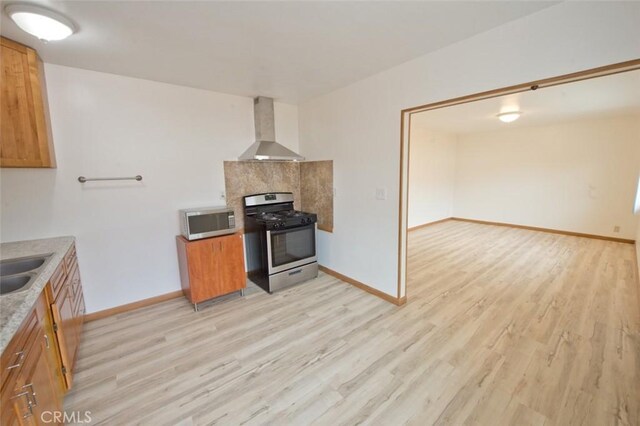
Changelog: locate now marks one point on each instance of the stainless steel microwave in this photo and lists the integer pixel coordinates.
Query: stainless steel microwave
(207, 222)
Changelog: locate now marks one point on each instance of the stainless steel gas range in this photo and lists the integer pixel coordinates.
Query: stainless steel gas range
(280, 241)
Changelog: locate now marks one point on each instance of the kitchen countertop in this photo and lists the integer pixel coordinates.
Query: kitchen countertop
(14, 307)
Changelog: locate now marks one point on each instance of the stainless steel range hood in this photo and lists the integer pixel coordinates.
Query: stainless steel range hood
(266, 148)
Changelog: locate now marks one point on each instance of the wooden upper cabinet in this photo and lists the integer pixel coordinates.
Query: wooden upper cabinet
(25, 127)
(211, 267)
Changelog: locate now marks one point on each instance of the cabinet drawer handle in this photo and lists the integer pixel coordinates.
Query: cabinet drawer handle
(33, 393)
(18, 363)
(46, 340)
(29, 403)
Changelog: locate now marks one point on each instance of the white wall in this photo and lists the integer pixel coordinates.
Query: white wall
(432, 165)
(359, 126)
(108, 125)
(577, 176)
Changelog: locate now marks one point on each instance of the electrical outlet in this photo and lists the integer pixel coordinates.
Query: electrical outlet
(381, 193)
(616, 228)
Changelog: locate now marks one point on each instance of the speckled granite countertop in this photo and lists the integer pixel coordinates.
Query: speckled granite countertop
(14, 307)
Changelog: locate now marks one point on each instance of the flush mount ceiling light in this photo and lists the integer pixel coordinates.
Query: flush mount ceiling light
(40, 22)
(509, 117)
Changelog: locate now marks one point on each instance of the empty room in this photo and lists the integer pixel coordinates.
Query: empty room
(319, 213)
(521, 245)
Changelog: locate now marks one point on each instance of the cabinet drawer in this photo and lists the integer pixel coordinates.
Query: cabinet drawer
(73, 280)
(78, 306)
(16, 351)
(78, 301)
(73, 263)
(57, 280)
(70, 258)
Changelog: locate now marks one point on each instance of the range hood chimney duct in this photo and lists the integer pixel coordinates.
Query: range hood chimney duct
(265, 147)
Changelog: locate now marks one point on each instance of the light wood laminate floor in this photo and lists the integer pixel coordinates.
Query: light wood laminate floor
(503, 327)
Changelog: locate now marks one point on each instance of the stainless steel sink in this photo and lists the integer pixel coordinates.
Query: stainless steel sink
(9, 284)
(23, 264)
(18, 274)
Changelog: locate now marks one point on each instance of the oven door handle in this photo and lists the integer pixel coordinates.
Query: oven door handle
(296, 228)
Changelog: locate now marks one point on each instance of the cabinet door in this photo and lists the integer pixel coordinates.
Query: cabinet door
(50, 350)
(233, 276)
(39, 382)
(15, 408)
(204, 269)
(47, 379)
(66, 330)
(57, 280)
(26, 135)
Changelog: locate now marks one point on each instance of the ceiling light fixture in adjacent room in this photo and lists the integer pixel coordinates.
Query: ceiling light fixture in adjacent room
(43, 23)
(509, 117)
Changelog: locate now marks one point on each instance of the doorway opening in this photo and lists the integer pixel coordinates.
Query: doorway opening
(557, 167)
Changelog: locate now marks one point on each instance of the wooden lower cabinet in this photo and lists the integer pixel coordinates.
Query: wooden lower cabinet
(37, 364)
(66, 333)
(211, 267)
(67, 309)
(32, 386)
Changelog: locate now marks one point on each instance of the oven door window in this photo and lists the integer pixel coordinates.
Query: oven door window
(292, 245)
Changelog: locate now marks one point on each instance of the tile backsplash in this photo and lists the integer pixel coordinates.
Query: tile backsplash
(311, 183)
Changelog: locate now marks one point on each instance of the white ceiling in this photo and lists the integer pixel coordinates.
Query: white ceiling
(291, 51)
(597, 97)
